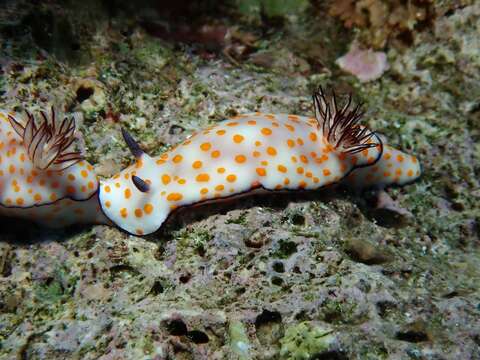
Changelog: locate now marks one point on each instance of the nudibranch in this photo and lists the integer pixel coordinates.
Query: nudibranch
(250, 151)
(42, 178)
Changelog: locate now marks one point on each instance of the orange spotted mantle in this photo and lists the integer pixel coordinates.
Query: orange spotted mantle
(238, 155)
(56, 193)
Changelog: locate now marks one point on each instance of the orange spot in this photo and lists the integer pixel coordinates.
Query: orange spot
(271, 151)
(264, 163)
(71, 177)
(219, 187)
(290, 143)
(261, 171)
(386, 174)
(160, 161)
(20, 201)
(290, 127)
(221, 170)
(107, 189)
(354, 160)
(117, 184)
(174, 197)
(37, 197)
(365, 152)
(270, 116)
(177, 158)
(398, 172)
(410, 172)
(343, 167)
(304, 159)
(266, 131)
(22, 157)
(327, 172)
(42, 182)
(313, 136)
(238, 138)
(148, 208)
(294, 159)
(29, 179)
(275, 124)
(70, 189)
(127, 193)
(278, 187)
(316, 180)
(399, 158)
(252, 122)
(388, 156)
(139, 231)
(300, 141)
(53, 196)
(11, 169)
(123, 212)
(203, 177)
(182, 181)
(240, 159)
(231, 178)
(286, 181)
(203, 191)
(302, 184)
(309, 174)
(206, 146)
(107, 203)
(258, 143)
(197, 164)
(293, 117)
(166, 179)
(300, 170)
(282, 168)
(414, 159)
(215, 154)
(138, 213)
(138, 164)
(221, 132)
(256, 154)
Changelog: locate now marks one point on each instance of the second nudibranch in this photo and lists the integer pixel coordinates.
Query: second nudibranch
(42, 178)
(250, 151)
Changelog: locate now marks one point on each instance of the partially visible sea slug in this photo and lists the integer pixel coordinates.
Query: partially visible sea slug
(43, 179)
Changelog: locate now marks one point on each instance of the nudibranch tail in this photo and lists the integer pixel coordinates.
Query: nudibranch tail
(340, 125)
(48, 145)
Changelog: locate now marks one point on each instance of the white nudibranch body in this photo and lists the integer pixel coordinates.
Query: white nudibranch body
(43, 179)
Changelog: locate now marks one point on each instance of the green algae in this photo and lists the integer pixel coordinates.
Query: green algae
(305, 341)
(239, 342)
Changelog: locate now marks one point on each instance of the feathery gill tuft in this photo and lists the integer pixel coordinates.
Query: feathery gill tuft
(49, 145)
(340, 125)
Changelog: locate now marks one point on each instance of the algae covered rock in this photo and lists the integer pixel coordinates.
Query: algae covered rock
(306, 340)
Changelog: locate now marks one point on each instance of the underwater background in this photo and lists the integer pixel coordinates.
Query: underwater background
(328, 274)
